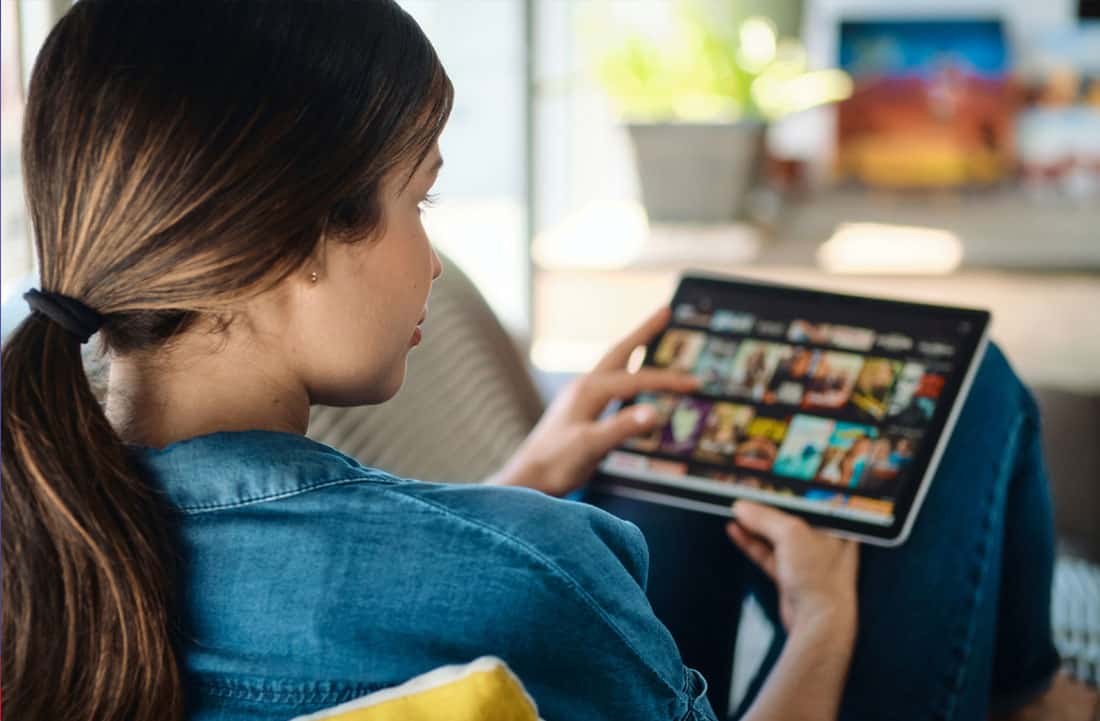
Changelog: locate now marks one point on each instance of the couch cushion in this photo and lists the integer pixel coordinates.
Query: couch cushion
(482, 689)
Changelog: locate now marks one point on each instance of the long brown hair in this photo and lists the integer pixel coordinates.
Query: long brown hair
(179, 157)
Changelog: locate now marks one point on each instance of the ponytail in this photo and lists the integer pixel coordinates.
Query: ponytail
(87, 579)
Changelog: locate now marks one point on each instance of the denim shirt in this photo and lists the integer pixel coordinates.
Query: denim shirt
(308, 579)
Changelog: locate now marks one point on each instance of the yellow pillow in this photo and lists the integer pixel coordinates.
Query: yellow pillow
(483, 690)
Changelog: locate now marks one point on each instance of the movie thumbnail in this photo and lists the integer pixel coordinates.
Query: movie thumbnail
(832, 380)
(715, 364)
(905, 387)
(679, 349)
(804, 447)
(792, 375)
(873, 386)
(725, 428)
(915, 404)
(848, 455)
(753, 367)
(684, 426)
(890, 457)
(761, 445)
(664, 403)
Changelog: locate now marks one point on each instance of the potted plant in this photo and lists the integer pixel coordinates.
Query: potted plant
(696, 105)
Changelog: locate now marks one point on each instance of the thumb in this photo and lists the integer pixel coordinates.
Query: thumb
(627, 423)
(765, 521)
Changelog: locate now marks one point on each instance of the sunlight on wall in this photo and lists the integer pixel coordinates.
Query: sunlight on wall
(600, 235)
(890, 249)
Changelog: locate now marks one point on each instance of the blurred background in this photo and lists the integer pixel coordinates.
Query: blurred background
(945, 151)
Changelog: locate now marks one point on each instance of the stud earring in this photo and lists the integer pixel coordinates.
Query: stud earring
(313, 277)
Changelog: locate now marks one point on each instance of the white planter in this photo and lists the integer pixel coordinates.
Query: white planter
(696, 173)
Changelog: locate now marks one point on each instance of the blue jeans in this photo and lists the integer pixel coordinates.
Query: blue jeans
(953, 624)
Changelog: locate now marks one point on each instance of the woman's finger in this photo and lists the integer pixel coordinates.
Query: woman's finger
(599, 388)
(758, 552)
(619, 354)
(611, 432)
(773, 525)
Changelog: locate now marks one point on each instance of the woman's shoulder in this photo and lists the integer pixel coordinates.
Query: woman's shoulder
(213, 476)
(350, 572)
(573, 536)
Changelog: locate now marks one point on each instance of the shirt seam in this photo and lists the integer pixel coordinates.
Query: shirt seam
(557, 571)
(194, 510)
(303, 693)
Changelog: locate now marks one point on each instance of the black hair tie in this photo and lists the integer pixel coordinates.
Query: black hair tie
(69, 313)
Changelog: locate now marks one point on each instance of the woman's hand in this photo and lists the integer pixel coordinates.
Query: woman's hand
(815, 572)
(562, 451)
(816, 576)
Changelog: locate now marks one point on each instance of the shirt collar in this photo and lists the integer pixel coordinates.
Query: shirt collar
(233, 468)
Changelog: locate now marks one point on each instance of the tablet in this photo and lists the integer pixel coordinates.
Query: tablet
(833, 407)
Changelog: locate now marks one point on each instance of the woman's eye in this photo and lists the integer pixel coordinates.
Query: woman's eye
(429, 201)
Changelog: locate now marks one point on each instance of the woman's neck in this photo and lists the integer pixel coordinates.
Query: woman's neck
(202, 385)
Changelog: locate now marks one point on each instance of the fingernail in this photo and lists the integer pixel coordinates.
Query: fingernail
(644, 414)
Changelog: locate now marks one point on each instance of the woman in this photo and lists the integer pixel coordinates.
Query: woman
(229, 194)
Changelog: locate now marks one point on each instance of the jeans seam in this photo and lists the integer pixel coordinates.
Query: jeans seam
(979, 574)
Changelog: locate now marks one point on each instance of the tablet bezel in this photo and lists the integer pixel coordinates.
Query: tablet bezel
(969, 353)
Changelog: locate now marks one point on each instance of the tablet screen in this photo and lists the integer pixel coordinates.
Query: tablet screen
(827, 405)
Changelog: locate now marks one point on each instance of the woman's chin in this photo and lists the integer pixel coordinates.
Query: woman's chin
(372, 394)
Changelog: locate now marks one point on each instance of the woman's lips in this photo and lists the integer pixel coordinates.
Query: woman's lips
(417, 333)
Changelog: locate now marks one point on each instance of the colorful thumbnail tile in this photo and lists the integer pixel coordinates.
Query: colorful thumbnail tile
(873, 386)
(761, 445)
(890, 457)
(715, 364)
(753, 367)
(679, 349)
(848, 455)
(724, 429)
(664, 403)
(685, 426)
(833, 378)
(792, 374)
(804, 447)
(914, 405)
